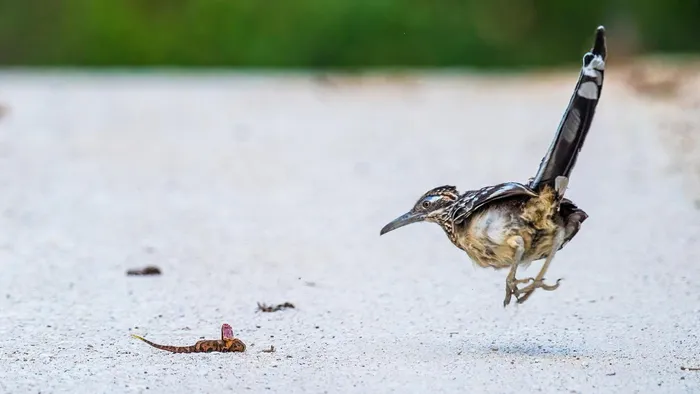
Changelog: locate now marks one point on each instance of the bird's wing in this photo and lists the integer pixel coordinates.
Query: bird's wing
(474, 199)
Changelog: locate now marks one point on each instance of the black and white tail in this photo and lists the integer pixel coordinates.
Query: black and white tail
(562, 154)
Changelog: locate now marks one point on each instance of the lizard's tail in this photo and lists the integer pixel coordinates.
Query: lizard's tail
(174, 349)
(561, 156)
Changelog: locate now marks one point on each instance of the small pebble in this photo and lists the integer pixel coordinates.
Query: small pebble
(146, 271)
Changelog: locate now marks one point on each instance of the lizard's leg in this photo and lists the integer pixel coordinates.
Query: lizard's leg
(518, 245)
(538, 282)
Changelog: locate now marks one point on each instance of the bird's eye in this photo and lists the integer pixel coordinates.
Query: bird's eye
(426, 204)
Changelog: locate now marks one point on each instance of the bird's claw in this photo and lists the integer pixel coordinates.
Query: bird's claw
(536, 284)
(513, 290)
(522, 294)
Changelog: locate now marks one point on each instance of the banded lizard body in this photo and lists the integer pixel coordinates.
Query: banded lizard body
(227, 344)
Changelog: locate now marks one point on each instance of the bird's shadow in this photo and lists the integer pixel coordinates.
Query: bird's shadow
(533, 350)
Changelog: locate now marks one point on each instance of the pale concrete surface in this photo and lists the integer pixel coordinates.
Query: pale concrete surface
(272, 189)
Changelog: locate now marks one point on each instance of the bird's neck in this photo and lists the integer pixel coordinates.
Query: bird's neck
(448, 226)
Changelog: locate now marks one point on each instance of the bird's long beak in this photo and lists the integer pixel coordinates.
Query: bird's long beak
(402, 221)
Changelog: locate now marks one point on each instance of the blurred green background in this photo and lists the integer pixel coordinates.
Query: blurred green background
(323, 34)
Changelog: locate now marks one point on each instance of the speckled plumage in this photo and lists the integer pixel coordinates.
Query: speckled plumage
(512, 224)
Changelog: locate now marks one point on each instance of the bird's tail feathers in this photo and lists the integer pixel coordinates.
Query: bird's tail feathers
(561, 157)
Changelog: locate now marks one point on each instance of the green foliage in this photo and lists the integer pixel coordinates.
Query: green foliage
(329, 33)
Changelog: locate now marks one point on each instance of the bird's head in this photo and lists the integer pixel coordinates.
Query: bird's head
(428, 208)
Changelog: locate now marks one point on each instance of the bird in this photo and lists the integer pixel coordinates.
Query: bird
(513, 224)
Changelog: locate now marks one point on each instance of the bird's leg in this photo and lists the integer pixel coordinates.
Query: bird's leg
(538, 282)
(518, 245)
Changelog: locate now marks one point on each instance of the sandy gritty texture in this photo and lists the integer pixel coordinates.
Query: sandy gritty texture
(247, 189)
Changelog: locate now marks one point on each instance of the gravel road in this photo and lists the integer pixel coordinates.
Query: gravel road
(273, 188)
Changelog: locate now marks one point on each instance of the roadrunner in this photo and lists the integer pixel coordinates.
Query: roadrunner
(510, 224)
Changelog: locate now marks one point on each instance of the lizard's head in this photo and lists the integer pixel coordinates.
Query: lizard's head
(428, 208)
(226, 331)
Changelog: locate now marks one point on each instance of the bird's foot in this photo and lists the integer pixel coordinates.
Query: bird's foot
(512, 288)
(536, 284)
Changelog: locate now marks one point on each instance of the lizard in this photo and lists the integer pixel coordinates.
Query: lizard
(227, 344)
